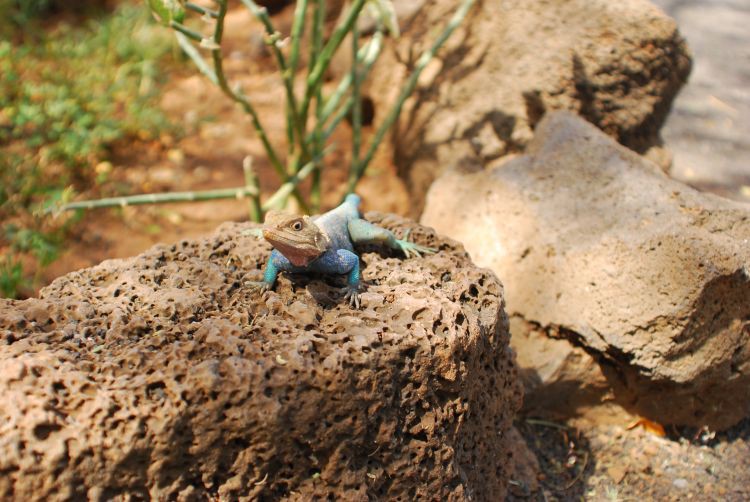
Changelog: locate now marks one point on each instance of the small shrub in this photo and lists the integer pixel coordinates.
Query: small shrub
(65, 100)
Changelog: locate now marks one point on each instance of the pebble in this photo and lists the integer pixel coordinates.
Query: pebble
(680, 483)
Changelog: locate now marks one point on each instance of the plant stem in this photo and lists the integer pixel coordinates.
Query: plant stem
(194, 35)
(251, 183)
(285, 189)
(193, 196)
(366, 56)
(298, 124)
(317, 139)
(193, 54)
(408, 88)
(356, 105)
(314, 79)
(155, 198)
(245, 103)
(201, 10)
(370, 56)
(298, 29)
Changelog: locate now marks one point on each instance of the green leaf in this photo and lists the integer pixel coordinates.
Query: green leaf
(167, 11)
(385, 13)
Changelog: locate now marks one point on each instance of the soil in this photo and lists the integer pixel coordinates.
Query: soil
(578, 460)
(582, 460)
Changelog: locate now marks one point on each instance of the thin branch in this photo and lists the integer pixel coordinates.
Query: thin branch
(193, 35)
(201, 10)
(193, 54)
(156, 198)
(286, 73)
(317, 134)
(366, 56)
(298, 29)
(356, 105)
(285, 189)
(202, 195)
(245, 103)
(251, 183)
(370, 56)
(314, 79)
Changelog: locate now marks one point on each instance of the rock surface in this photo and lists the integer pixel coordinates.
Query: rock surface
(162, 377)
(594, 242)
(618, 64)
(563, 381)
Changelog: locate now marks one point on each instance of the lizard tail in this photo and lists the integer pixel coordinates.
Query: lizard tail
(354, 200)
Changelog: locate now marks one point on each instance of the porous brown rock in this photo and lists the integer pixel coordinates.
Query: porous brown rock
(595, 243)
(618, 64)
(164, 377)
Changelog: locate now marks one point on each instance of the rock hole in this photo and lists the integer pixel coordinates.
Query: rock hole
(156, 390)
(43, 431)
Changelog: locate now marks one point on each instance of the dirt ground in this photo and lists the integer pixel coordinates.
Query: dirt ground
(708, 130)
(708, 133)
(610, 462)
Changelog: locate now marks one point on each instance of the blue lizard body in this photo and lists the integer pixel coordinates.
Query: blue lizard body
(343, 227)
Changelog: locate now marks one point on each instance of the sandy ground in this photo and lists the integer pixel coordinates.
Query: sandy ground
(708, 130)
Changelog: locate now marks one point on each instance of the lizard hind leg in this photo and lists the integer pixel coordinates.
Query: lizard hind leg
(364, 232)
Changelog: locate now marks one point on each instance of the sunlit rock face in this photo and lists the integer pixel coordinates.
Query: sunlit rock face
(597, 245)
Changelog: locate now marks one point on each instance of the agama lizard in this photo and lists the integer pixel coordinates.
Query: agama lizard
(325, 244)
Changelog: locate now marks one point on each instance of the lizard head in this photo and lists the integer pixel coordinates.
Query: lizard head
(296, 237)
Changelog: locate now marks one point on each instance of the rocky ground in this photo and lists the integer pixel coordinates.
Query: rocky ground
(709, 127)
(614, 463)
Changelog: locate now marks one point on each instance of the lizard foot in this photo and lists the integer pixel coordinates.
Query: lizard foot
(261, 287)
(353, 296)
(411, 249)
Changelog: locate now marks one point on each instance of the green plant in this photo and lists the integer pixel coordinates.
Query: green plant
(11, 277)
(311, 117)
(66, 97)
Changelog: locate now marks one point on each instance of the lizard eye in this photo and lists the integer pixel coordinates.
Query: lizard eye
(297, 225)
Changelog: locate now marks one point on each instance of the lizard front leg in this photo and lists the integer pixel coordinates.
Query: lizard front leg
(344, 262)
(276, 263)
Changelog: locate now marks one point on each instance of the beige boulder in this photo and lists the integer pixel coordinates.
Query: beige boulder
(618, 64)
(596, 243)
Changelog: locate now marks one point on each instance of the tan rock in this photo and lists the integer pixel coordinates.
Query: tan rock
(595, 242)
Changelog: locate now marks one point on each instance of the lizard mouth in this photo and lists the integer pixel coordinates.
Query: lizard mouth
(299, 251)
